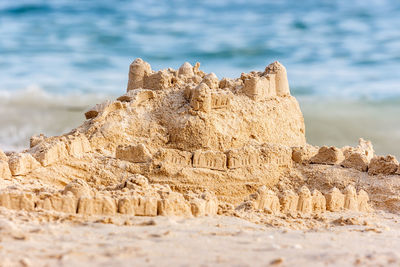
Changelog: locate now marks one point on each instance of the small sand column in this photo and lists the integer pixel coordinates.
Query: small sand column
(305, 201)
(350, 198)
(137, 72)
(281, 80)
(201, 98)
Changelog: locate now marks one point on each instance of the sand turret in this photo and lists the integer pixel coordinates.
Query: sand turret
(363, 199)
(137, 72)
(289, 201)
(186, 69)
(334, 200)
(211, 80)
(201, 98)
(318, 202)
(305, 200)
(366, 148)
(281, 80)
(350, 198)
(266, 200)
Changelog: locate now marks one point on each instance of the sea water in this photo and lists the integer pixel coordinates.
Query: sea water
(58, 58)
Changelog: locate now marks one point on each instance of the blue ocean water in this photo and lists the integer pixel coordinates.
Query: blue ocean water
(66, 53)
(340, 48)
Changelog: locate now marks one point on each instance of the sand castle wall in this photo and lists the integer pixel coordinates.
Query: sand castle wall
(135, 196)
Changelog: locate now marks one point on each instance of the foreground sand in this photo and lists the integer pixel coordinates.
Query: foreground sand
(348, 239)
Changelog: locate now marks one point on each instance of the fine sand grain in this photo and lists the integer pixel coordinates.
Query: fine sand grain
(346, 240)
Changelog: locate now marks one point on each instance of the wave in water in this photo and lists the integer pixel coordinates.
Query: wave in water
(335, 48)
(33, 111)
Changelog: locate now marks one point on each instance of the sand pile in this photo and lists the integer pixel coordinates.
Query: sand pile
(184, 143)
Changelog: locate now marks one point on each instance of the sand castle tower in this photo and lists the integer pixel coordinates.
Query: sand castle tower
(186, 69)
(137, 71)
(201, 98)
(281, 80)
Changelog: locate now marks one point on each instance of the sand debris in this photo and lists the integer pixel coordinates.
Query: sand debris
(387, 165)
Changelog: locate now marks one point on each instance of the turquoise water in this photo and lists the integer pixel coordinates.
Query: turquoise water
(63, 56)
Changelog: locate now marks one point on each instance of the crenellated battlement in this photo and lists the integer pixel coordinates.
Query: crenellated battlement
(204, 88)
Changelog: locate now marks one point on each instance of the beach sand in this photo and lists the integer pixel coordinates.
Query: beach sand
(349, 239)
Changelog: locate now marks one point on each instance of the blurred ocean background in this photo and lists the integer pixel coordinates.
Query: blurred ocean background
(58, 58)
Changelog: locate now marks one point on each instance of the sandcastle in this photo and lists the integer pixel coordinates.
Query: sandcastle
(182, 142)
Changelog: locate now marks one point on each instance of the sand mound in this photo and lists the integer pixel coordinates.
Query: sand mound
(182, 142)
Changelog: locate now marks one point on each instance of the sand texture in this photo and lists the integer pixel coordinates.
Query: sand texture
(184, 144)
